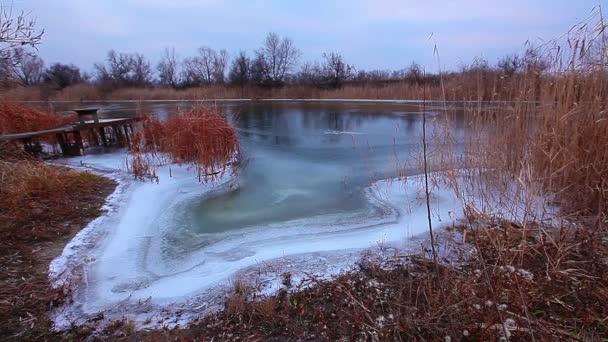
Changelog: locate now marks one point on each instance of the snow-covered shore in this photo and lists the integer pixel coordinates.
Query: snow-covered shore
(121, 263)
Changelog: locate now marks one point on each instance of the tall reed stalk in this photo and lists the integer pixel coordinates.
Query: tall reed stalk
(546, 147)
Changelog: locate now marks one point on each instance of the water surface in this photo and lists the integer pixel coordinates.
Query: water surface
(305, 160)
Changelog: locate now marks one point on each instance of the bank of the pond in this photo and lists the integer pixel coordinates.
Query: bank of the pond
(42, 207)
(118, 265)
(496, 281)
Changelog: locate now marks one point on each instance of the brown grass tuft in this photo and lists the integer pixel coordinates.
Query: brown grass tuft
(15, 118)
(200, 136)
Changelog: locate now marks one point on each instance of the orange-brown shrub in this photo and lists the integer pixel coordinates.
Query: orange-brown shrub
(15, 118)
(200, 136)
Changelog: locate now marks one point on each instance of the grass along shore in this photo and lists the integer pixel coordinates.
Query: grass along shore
(42, 208)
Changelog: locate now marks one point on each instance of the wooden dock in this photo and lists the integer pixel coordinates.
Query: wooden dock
(96, 132)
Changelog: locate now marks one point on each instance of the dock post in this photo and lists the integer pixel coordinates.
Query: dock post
(117, 135)
(62, 143)
(94, 140)
(126, 132)
(102, 132)
(79, 143)
(131, 129)
(87, 111)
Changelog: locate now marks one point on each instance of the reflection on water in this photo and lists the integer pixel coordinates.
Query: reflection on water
(306, 159)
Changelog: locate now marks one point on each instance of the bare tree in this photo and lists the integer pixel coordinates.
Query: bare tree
(192, 72)
(208, 67)
(240, 70)
(62, 75)
(310, 74)
(258, 70)
(279, 56)
(167, 68)
(414, 74)
(116, 72)
(141, 71)
(16, 31)
(510, 64)
(335, 69)
(124, 70)
(17, 34)
(220, 61)
(205, 61)
(29, 68)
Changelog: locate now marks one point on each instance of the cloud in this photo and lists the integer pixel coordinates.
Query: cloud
(371, 33)
(100, 17)
(176, 4)
(432, 11)
(70, 17)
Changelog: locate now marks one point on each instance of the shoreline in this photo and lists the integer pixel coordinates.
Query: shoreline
(254, 100)
(95, 242)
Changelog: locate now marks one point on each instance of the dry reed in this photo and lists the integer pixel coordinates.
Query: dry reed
(16, 118)
(201, 137)
(550, 141)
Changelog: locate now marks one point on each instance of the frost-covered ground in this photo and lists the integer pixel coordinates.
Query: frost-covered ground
(120, 263)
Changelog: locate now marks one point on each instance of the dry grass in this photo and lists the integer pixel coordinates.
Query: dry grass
(458, 86)
(200, 136)
(551, 141)
(16, 118)
(34, 192)
(41, 208)
(389, 91)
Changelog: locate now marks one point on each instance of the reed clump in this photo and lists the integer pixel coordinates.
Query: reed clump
(201, 136)
(16, 118)
(550, 141)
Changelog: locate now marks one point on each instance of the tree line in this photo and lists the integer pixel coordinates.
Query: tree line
(274, 64)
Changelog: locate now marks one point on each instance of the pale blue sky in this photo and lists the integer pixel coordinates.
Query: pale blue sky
(379, 34)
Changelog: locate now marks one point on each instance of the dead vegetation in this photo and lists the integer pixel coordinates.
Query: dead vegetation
(41, 208)
(201, 136)
(550, 142)
(16, 118)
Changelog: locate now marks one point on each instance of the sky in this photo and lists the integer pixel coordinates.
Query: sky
(374, 34)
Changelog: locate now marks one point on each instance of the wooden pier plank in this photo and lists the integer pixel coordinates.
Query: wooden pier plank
(69, 128)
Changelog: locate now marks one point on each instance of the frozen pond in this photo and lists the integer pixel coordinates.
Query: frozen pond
(305, 161)
(314, 183)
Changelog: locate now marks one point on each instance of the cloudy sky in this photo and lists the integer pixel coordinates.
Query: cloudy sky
(372, 34)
